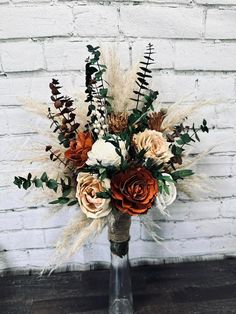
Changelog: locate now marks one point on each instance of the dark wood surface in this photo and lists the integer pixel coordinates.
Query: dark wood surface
(199, 287)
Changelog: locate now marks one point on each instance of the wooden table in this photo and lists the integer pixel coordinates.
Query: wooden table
(200, 287)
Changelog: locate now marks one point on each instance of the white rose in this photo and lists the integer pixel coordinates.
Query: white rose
(86, 193)
(105, 153)
(163, 199)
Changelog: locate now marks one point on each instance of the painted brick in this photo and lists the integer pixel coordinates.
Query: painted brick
(174, 87)
(39, 21)
(12, 90)
(44, 219)
(51, 236)
(26, 56)
(72, 55)
(223, 139)
(192, 229)
(188, 210)
(19, 121)
(102, 18)
(161, 22)
(221, 24)
(10, 221)
(225, 115)
(204, 246)
(30, 1)
(205, 56)
(22, 239)
(13, 259)
(11, 198)
(164, 53)
(215, 2)
(228, 208)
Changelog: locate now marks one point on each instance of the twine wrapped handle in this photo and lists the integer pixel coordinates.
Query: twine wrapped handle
(119, 234)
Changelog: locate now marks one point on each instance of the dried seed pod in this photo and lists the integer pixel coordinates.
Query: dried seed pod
(74, 127)
(48, 147)
(58, 104)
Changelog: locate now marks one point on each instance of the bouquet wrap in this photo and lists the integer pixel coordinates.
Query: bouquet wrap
(119, 234)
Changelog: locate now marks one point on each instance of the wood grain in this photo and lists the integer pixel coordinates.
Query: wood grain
(196, 287)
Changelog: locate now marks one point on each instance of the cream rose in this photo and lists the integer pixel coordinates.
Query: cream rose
(155, 144)
(105, 153)
(86, 193)
(163, 199)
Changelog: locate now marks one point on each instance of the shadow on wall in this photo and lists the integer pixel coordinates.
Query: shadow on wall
(3, 259)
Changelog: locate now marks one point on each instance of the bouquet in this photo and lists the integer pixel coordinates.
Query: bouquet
(127, 159)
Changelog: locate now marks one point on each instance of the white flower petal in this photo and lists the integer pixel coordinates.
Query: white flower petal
(163, 199)
(105, 153)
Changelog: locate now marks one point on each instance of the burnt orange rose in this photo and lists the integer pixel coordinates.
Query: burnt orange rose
(78, 151)
(134, 191)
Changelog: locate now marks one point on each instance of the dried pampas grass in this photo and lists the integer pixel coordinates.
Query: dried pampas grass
(190, 161)
(121, 83)
(74, 236)
(153, 229)
(195, 186)
(178, 112)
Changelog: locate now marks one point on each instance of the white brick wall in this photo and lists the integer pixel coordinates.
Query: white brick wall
(196, 54)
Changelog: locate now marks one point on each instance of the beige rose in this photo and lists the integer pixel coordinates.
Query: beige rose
(87, 188)
(155, 144)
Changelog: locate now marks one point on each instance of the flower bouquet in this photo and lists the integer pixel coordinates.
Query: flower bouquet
(127, 159)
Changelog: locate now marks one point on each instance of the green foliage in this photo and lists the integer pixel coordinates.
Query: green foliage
(149, 99)
(184, 139)
(106, 194)
(204, 127)
(103, 92)
(60, 200)
(52, 184)
(95, 90)
(44, 177)
(163, 187)
(181, 174)
(38, 183)
(143, 75)
(176, 150)
(73, 202)
(115, 141)
(65, 187)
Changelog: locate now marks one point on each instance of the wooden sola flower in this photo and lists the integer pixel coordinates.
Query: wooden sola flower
(79, 148)
(118, 122)
(122, 159)
(133, 191)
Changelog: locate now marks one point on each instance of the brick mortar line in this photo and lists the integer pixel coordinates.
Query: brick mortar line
(78, 39)
(197, 220)
(111, 3)
(179, 241)
(160, 71)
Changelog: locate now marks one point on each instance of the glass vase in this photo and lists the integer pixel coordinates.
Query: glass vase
(120, 292)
